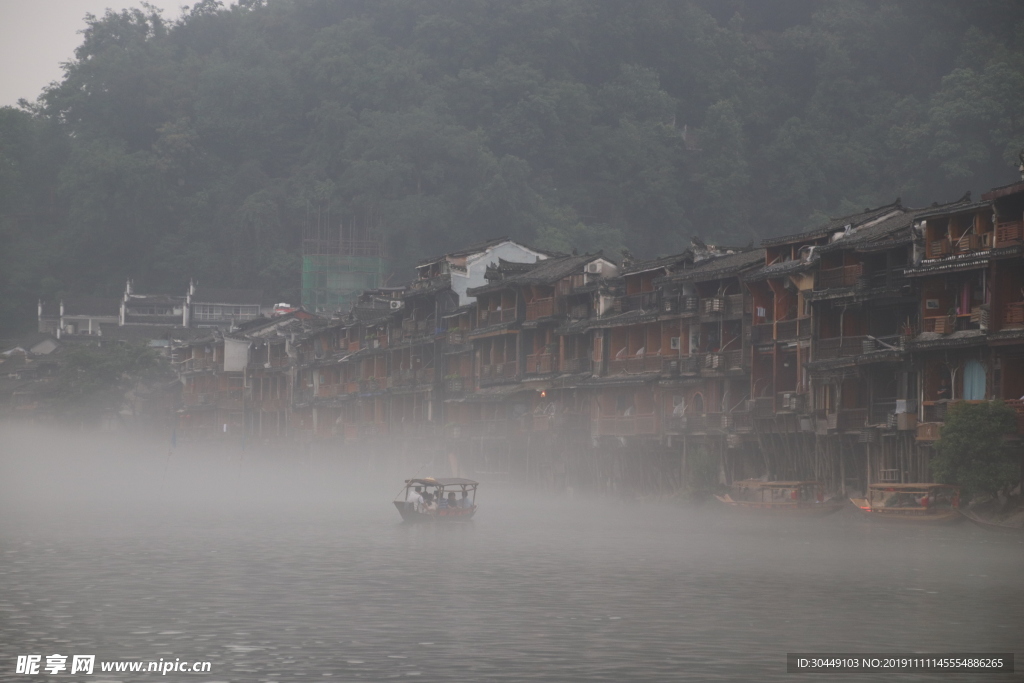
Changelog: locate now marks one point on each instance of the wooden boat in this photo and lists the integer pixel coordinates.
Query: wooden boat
(783, 497)
(443, 500)
(992, 526)
(915, 503)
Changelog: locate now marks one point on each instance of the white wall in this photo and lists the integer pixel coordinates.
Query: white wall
(476, 266)
(236, 355)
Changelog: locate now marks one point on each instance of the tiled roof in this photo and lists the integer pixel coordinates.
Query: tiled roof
(833, 225)
(656, 263)
(997, 192)
(778, 270)
(901, 222)
(543, 272)
(952, 209)
(721, 266)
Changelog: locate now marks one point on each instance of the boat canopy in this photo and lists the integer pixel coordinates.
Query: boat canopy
(911, 487)
(431, 481)
(758, 484)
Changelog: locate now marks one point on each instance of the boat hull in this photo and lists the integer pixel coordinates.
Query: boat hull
(410, 514)
(783, 509)
(908, 515)
(992, 526)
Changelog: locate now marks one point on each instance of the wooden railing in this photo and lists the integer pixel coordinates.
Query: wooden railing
(879, 411)
(851, 419)
(1009, 233)
(329, 390)
(679, 304)
(495, 317)
(844, 276)
(626, 425)
(541, 363)
(940, 324)
(762, 333)
(644, 301)
(632, 366)
(838, 347)
(541, 308)
(786, 330)
(577, 365)
(937, 248)
(1014, 314)
(499, 371)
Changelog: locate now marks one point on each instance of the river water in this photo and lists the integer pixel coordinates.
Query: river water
(304, 573)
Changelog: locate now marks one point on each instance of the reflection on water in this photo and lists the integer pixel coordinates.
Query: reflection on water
(310, 576)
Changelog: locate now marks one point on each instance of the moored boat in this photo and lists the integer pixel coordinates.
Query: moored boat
(437, 500)
(923, 503)
(783, 497)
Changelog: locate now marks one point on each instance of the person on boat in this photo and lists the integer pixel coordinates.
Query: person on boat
(428, 502)
(442, 502)
(924, 501)
(466, 503)
(414, 498)
(452, 503)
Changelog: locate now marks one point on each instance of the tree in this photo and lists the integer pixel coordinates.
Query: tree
(972, 450)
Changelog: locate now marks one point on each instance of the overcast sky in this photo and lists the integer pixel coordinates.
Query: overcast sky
(37, 35)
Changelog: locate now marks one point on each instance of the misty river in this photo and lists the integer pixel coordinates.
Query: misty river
(290, 568)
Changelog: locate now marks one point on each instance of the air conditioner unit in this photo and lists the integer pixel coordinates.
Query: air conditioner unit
(674, 343)
(376, 343)
(594, 267)
(395, 305)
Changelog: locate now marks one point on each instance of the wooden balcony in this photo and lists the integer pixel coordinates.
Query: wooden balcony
(838, 347)
(938, 248)
(330, 390)
(679, 304)
(728, 305)
(644, 301)
(577, 365)
(786, 330)
(1009, 233)
(940, 324)
(928, 431)
(764, 407)
(834, 278)
(541, 364)
(370, 386)
(762, 333)
(724, 360)
(456, 385)
(541, 308)
(634, 366)
(882, 412)
(497, 316)
(790, 402)
(851, 419)
(498, 372)
(1013, 315)
(626, 425)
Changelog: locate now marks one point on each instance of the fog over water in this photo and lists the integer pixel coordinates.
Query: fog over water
(289, 566)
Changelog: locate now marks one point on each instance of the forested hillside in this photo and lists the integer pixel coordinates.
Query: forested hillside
(200, 147)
